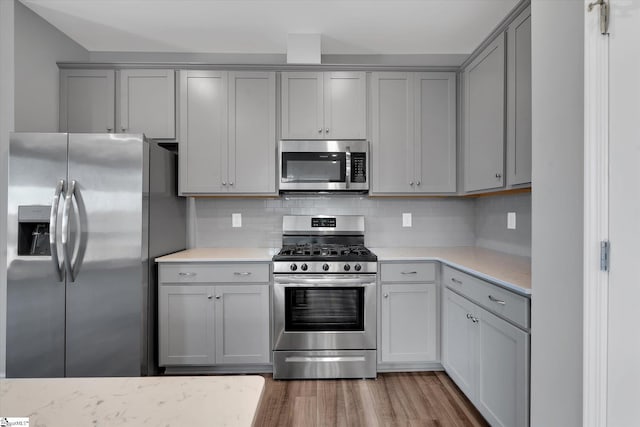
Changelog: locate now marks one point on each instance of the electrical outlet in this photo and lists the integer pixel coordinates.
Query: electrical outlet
(511, 220)
(236, 220)
(406, 219)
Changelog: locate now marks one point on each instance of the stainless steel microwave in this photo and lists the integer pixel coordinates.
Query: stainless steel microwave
(324, 166)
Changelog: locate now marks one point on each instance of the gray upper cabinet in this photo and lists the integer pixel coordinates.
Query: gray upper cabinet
(227, 132)
(413, 132)
(147, 103)
(203, 131)
(87, 101)
(484, 118)
(329, 105)
(519, 100)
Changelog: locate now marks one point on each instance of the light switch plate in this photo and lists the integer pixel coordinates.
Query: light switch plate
(236, 220)
(406, 219)
(511, 220)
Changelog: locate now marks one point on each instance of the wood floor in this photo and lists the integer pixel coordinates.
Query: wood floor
(394, 399)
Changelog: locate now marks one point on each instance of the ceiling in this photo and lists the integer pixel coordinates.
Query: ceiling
(261, 26)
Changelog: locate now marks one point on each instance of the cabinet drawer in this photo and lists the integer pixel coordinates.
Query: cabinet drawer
(408, 272)
(214, 273)
(496, 299)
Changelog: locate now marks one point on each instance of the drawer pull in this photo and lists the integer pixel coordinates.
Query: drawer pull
(242, 273)
(186, 274)
(496, 300)
(454, 280)
(409, 272)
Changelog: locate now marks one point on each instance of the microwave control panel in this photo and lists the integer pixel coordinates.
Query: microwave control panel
(358, 167)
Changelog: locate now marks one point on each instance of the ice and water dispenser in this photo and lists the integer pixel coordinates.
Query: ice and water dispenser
(33, 230)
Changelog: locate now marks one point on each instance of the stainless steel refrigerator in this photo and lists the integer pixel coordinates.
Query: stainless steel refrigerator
(87, 214)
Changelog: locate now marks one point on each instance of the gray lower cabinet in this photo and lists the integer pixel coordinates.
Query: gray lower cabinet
(206, 319)
(227, 132)
(486, 355)
(413, 133)
(408, 313)
(484, 118)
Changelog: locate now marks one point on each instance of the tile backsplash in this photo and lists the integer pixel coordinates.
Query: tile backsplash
(435, 221)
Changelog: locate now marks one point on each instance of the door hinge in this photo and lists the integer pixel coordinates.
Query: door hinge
(604, 255)
(604, 15)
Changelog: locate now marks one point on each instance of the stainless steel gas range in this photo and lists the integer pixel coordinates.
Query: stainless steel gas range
(324, 300)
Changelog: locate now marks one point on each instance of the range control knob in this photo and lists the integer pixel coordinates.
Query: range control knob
(357, 267)
(325, 267)
(293, 267)
(304, 267)
(347, 267)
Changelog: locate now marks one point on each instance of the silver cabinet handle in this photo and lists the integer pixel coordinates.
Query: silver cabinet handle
(124, 129)
(498, 175)
(454, 280)
(386, 295)
(186, 274)
(327, 130)
(224, 182)
(320, 130)
(410, 182)
(66, 210)
(242, 273)
(230, 182)
(53, 233)
(109, 129)
(209, 296)
(418, 183)
(496, 300)
(217, 296)
(409, 272)
(474, 319)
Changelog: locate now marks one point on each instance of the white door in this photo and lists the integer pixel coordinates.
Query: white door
(624, 214)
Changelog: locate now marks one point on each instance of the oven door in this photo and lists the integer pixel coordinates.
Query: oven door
(327, 312)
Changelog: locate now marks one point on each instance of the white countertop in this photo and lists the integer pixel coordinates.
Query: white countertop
(147, 401)
(512, 272)
(221, 255)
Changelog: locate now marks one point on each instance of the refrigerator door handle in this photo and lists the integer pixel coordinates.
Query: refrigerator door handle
(66, 210)
(53, 232)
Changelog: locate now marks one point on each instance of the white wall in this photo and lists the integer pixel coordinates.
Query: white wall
(6, 126)
(38, 46)
(557, 205)
(29, 98)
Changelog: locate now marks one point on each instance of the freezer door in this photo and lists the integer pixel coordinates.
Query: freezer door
(35, 290)
(104, 298)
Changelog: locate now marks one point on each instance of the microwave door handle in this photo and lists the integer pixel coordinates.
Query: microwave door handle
(348, 166)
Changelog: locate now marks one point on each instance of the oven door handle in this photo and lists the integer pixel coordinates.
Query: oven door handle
(325, 281)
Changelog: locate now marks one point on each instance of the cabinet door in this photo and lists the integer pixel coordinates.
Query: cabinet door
(503, 374)
(409, 322)
(147, 103)
(186, 329)
(392, 133)
(345, 100)
(252, 132)
(435, 119)
(484, 84)
(519, 100)
(242, 324)
(87, 101)
(203, 132)
(302, 105)
(459, 341)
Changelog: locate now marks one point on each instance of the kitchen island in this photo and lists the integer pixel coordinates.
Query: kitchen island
(144, 401)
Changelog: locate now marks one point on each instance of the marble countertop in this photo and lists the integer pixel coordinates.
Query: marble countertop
(221, 255)
(510, 271)
(146, 401)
